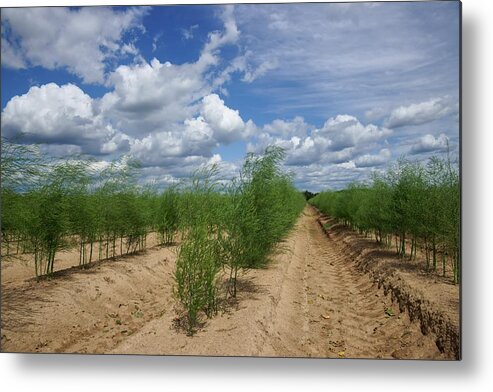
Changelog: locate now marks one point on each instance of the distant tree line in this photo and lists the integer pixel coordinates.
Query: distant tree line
(308, 195)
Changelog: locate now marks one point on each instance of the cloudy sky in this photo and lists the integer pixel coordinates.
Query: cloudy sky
(345, 88)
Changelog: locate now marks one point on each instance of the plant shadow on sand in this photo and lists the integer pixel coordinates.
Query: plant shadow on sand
(14, 302)
(246, 288)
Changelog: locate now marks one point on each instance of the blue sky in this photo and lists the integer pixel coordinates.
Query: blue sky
(345, 88)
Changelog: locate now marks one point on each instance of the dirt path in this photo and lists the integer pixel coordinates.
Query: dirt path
(330, 309)
(310, 301)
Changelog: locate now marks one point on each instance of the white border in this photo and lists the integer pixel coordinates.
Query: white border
(90, 373)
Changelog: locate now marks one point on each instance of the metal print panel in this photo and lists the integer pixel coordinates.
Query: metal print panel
(267, 180)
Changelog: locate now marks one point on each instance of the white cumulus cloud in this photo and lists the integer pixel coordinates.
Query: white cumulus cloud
(421, 113)
(341, 139)
(347, 131)
(287, 128)
(372, 160)
(60, 115)
(80, 40)
(429, 143)
(226, 123)
(149, 96)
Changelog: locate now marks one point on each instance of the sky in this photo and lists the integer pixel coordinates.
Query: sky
(345, 88)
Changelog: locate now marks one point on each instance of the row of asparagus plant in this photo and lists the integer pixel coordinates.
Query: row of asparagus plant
(48, 206)
(416, 204)
(231, 228)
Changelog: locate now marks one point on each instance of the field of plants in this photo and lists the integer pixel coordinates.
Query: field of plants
(154, 266)
(51, 206)
(411, 206)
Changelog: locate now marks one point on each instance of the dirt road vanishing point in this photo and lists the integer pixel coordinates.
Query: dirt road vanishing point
(311, 301)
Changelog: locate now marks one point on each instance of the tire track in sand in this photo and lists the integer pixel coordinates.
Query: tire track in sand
(328, 308)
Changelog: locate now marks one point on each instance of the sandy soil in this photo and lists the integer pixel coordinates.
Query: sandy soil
(429, 297)
(311, 301)
(19, 267)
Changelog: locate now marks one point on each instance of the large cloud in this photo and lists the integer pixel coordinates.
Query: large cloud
(170, 110)
(197, 136)
(347, 131)
(428, 143)
(373, 160)
(318, 176)
(157, 96)
(62, 115)
(194, 139)
(288, 128)
(225, 122)
(291, 135)
(147, 97)
(421, 113)
(80, 40)
(341, 139)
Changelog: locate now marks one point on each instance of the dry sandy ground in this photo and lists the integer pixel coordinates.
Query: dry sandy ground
(311, 301)
(426, 296)
(18, 267)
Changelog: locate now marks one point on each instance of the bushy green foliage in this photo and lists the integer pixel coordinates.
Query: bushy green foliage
(230, 226)
(166, 219)
(233, 227)
(418, 204)
(199, 253)
(264, 205)
(48, 206)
